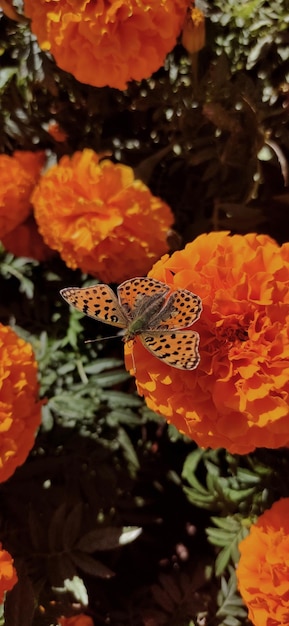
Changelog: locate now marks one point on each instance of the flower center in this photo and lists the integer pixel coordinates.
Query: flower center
(234, 333)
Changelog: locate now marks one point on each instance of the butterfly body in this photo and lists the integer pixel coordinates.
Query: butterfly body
(145, 316)
(144, 308)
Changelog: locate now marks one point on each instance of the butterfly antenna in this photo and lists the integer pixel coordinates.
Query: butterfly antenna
(101, 339)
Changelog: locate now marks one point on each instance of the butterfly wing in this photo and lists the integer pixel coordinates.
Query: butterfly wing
(135, 290)
(98, 302)
(181, 310)
(176, 348)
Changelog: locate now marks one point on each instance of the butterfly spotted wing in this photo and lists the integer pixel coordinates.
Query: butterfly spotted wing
(98, 302)
(180, 310)
(178, 348)
(131, 293)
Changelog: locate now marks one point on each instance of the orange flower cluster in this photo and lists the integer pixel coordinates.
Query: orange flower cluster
(237, 398)
(99, 218)
(18, 232)
(107, 43)
(25, 240)
(19, 174)
(76, 620)
(263, 570)
(20, 410)
(8, 576)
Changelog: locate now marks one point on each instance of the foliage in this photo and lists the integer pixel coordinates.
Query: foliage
(234, 487)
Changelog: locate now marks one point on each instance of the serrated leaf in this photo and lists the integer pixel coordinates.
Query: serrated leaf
(230, 620)
(229, 601)
(162, 598)
(72, 526)
(128, 450)
(47, 421)
(60, 567)
(118, 399)
(122, 416)
(175, 435)
(222, 560)
(91, 566)
(102, 365)
(238, 495)
(71, 407)
(190, 466)
(6, 75)
(191, 463)
(218, 537)
(100, 539)
(230, 524)
(109, 379)
(228, 537)
(66, 368)
(202, 501)
(171, 588)
(246, 476)
(55, 528)
(108, 538)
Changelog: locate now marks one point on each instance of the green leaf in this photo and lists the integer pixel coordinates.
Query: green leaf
(72, 526)
(108, 538)
(122, 416)
(222, 560)
(101, 365)
(190, 467)
(6, 75)
(228, 535)
(55, 528)
(230, 603)
(118, 399)
(128, 450)
(111, 378)
(91, 566)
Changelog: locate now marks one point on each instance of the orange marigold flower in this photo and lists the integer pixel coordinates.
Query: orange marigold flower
(237, 398)
(99, 218)
(20, 410)
(107, 43)
(19, 174)
(194, 35)
(8, 575)
(76, 620)
(25, 240)
(263, 569)
(57, 132)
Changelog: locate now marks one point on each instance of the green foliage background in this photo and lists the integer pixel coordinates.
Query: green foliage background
(144, 524)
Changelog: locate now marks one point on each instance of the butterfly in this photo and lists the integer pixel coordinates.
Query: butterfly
(144, 308)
